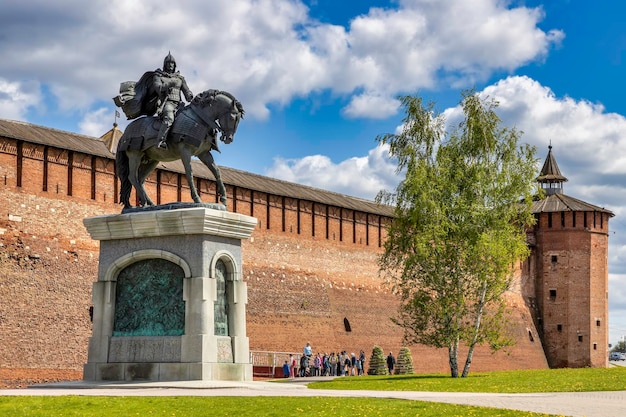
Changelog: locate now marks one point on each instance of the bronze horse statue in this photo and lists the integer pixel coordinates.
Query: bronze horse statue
(192, 134)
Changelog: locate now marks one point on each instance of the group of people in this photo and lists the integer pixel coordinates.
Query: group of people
(333, 364)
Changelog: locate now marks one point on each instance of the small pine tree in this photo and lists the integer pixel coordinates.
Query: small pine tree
(404, 364)
(378, 365)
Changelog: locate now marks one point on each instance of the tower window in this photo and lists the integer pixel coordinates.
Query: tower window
(595, 346)
(573, 219)
(559, 327)
(346, 324)
(580, 337)
(598, 322)
(554, 258)
(562, 219)
(549, 219)
(552, 293)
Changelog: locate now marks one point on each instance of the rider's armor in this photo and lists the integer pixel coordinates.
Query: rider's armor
(170, 84)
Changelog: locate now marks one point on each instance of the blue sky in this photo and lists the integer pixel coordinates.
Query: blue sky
(319, 80)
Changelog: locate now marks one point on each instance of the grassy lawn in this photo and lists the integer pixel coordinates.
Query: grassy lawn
(545, 380)
(554, 380)
(74, 406)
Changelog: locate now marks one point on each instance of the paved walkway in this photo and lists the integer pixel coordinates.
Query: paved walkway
(588, 404)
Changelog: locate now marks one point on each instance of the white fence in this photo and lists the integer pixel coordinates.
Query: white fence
(269, 361)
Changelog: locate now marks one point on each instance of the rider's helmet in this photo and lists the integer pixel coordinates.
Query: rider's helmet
(169, 58)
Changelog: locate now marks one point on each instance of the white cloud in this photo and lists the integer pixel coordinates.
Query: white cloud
(584, 137)
(582, 133)
(617, 307)
(373, 106)
(358, 176)
(265, 52)
(97, 122)
(16, 98)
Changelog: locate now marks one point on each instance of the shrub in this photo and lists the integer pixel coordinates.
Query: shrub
(378, 364)
(404, 364)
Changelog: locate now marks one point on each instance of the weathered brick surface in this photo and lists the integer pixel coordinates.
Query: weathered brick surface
(572, 264)
(306, 272)
(45, 282)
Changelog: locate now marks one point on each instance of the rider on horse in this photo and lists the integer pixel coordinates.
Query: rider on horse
(156, 92)
(169, 85)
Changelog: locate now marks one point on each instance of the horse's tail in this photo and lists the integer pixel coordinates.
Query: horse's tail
(121, 168)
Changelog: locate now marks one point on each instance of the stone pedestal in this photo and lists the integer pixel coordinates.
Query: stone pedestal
(198, 250)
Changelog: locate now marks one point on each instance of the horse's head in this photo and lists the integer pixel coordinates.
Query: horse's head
(229, 119)
(224, 109)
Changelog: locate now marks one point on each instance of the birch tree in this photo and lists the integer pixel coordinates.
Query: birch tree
(461, 214)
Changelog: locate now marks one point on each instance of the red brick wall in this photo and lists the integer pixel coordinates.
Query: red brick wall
(301, 285)
(571, 287)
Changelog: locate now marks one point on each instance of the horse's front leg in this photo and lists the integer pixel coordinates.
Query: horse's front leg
(134, 176)
(144, 172)
(185, 157)
(207, 159)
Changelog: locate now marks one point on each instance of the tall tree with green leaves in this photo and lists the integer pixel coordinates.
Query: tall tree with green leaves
(461, 214)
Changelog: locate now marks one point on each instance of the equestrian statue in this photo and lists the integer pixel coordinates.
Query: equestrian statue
(178, 131)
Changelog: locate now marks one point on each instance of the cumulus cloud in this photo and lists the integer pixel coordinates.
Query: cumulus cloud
(584, 136)
(362, 176)
(266, 52)
(97, 122)
(16, 98)
(372, 106)
(595, 171)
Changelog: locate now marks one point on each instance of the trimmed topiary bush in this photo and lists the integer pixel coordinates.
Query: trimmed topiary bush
(378, 364)
(404, 364)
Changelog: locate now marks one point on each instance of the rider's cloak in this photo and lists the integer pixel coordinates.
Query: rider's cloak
(135, 98)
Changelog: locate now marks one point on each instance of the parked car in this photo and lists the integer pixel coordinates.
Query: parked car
(617, 356)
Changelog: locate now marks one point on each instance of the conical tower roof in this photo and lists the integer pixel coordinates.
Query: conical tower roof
(550, 177)
(550, 172)
(111, 138)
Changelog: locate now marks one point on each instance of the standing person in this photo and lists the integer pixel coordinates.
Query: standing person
(294, 364)
(333, 364)
(325, 364)
(304, 366)
(339, 363)
(308, 350)
(347, 364)
(286, 370)
(361, 362)
(353, 364)
(169, 85)
(391, 362)
(317, 362)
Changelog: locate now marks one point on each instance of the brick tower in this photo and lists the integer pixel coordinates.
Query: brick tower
(570, 259)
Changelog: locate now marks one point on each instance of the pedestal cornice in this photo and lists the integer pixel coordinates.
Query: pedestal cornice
(170, 222)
